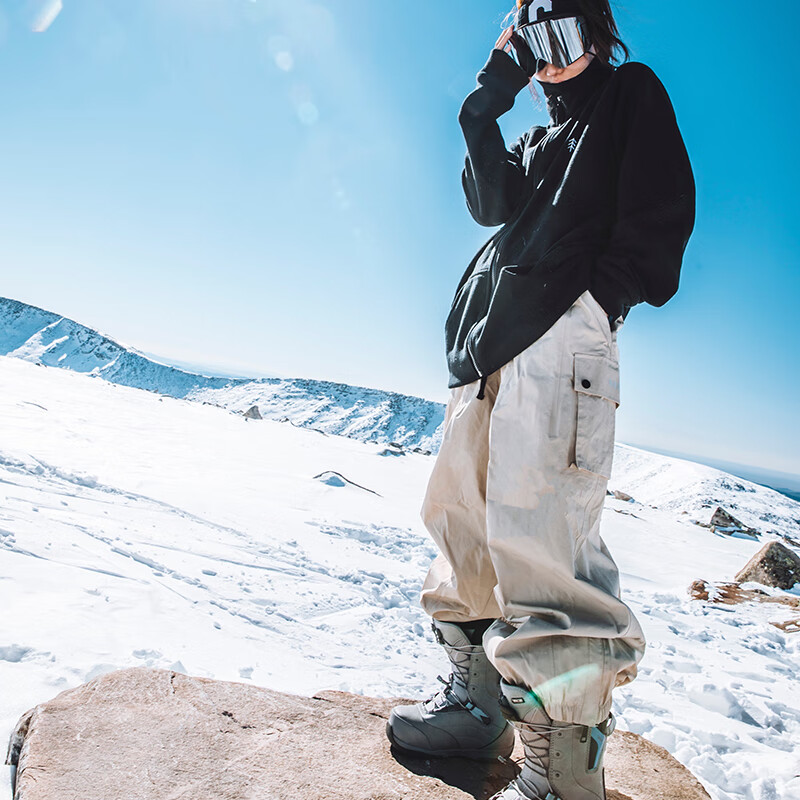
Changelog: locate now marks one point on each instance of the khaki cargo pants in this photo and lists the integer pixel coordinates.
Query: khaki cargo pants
(514, 504)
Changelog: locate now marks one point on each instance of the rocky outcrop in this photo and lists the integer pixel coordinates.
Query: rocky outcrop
(773, 565)
(252, 413)
(731, 594)
(723, 521)
(142, 733)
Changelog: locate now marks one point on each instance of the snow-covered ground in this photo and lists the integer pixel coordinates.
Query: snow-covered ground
(137, 529)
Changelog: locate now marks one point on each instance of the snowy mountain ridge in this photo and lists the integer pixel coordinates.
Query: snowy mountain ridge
(42, 337)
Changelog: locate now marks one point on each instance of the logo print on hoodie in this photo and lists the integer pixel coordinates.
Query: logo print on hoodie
(572, 144)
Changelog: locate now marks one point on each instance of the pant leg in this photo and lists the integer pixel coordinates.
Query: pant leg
(460, 584)
(565, 631)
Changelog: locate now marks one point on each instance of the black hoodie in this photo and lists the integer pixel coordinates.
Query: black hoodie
(602, 199)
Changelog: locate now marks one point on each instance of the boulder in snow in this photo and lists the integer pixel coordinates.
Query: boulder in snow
(252, 413)
(624, 496)
(393, 449)
(155, 734)
(773, 565)
(723, 521)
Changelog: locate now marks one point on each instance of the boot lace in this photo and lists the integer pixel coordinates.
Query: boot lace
(447, 697)
(536, 742)
(535, 738)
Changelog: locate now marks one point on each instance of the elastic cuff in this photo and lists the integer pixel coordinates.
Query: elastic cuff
(501, 65)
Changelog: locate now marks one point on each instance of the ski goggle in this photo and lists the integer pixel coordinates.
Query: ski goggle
(557, 41)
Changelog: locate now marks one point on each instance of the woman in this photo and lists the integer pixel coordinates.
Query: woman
(596, 211)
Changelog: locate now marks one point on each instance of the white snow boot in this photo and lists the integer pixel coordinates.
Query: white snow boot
(562, 761)
(463, 719)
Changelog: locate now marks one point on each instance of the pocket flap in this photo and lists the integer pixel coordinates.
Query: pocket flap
(598, 376)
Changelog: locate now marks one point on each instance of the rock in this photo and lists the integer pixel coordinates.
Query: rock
(139, 734)
(700, 590)
(792, 542)
(724, 522)
(637, 769)
(626, 498)
(392, 449)
(253, 413)
(728, 594)
(731, 594)
(773, 565)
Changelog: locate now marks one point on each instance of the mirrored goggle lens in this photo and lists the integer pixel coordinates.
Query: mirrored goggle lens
(557, 41)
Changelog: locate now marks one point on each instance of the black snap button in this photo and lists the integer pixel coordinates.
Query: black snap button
(587, 384)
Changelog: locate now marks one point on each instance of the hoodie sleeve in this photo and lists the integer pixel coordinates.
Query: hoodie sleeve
(655, 200)
(493, 175)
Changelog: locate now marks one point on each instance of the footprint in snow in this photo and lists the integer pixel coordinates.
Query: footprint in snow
(14, 653)
(149, 655)
(400, 543)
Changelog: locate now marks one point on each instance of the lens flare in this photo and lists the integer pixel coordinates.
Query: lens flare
(570, 683)
(49, 10)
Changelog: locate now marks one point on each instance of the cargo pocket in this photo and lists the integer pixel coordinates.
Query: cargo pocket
(597, 387)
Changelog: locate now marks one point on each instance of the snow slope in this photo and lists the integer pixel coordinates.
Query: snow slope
(139, 529)
(685, 487)
(42, 337)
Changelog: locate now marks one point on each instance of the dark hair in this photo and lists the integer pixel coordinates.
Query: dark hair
(602, 31)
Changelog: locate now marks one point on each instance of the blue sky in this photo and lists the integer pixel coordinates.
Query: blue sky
(274, 186)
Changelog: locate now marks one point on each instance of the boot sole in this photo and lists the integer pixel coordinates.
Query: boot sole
(483, 754)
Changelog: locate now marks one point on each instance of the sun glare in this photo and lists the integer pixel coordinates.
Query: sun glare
(49, 10)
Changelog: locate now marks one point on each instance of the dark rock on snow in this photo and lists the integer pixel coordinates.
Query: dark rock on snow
(773, 565)
(723, 521)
